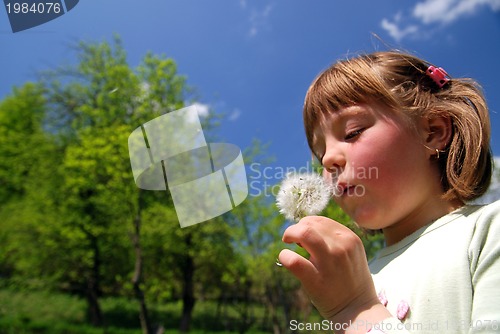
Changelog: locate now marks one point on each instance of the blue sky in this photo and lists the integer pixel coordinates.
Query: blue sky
(253, 60)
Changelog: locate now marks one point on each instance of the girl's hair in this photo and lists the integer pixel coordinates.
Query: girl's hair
(399, 81)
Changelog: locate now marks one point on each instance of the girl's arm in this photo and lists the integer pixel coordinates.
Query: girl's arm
(484, 255)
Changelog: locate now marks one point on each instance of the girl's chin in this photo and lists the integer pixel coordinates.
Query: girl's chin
(369, 226)
(366, 218)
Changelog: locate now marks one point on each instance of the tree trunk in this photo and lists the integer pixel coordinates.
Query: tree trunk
(137, 278)
(246, 319)
(92, 291)
(188, 299)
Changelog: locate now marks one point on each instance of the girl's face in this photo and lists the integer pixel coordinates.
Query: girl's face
(381, 168)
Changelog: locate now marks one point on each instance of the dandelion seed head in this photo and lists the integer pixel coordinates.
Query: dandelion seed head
(302, 195)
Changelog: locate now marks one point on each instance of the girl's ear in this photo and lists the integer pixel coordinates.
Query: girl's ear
(437, 132)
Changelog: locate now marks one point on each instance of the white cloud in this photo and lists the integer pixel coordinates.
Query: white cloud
(234, 115)
(447, 11)
(259, 19)
(434, 12)
(203, 109)
(396, 32)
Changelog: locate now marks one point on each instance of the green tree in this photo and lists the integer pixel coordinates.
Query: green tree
(73, 219)
(184, 263)
(21, 134)
(90, 110)
(28, 181)
(94, 108)
(97, 211)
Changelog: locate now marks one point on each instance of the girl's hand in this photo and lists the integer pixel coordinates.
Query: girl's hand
(336, 276)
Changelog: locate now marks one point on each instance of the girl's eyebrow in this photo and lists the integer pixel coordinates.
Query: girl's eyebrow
(352, 111)
(349, 112)
(339, 117)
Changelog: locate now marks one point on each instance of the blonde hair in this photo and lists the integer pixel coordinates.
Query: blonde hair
(399, 81)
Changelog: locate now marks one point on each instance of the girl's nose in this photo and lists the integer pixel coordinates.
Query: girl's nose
(333, 161)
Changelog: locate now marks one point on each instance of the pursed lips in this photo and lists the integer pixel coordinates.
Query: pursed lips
(344, 189)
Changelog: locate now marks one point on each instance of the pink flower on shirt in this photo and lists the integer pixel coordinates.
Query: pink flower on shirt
(402, 310)
(382, 297)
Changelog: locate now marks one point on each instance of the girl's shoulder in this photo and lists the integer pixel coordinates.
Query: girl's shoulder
(484, 213)
(484, 247)
(467, 228)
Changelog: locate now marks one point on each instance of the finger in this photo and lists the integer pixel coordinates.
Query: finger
(299, 266)
(307, 234)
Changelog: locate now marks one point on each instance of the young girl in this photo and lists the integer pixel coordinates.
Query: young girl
(406, 148)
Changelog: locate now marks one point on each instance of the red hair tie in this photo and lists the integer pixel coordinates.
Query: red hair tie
(439, 75)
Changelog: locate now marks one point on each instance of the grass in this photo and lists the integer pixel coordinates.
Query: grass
(39, 312)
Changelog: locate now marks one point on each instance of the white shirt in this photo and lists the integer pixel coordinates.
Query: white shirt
(448, 273)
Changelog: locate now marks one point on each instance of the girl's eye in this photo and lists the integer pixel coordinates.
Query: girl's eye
(353, 134)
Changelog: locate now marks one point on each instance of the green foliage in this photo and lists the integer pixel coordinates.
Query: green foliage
(43, 312)
(22, 140)
(27, 196)
(69, 209)
(68, 196)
